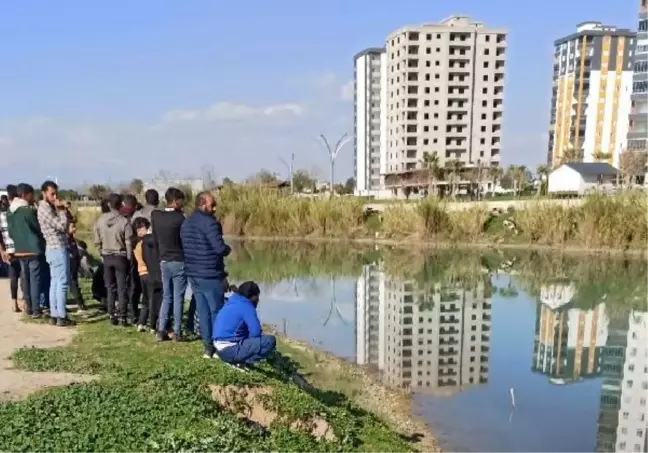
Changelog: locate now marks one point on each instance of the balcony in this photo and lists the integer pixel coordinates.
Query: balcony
(412, 50)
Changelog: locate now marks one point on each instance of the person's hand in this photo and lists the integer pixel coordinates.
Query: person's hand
(5, 256)
(60, 204)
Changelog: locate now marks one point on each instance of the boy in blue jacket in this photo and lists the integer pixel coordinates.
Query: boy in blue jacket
(237, 329)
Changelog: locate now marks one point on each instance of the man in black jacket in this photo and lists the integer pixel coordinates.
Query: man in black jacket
(166, 236)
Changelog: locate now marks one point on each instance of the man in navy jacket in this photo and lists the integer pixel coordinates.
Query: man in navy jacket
(204, 253)
(237, 330)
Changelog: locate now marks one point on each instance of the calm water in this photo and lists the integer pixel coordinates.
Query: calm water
(501, 352)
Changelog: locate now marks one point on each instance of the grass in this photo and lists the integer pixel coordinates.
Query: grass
(156, 397)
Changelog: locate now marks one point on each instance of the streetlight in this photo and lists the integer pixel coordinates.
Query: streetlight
(333, 154)
(290, 170)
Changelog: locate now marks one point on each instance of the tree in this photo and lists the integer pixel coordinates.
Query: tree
(454, 167)
(227, 181)
(495, 176)
(302, 180)
(435, 172)
(570, 154)
(137, 186)
(518, 176)
(632, 164)
(543, 173)
(264, 177)
(98, 191)
(349, 186)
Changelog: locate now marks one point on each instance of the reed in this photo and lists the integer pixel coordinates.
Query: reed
(614, 222)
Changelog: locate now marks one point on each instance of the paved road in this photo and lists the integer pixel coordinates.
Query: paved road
(16, 334)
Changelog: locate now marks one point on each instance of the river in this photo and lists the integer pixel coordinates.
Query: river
(501, 351)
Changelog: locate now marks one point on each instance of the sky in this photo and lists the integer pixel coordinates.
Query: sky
(105, 91)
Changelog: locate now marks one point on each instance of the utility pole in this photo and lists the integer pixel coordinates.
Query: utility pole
(333, 152)
(290, 168)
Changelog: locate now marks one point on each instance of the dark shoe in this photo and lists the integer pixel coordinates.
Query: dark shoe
(17, 309)
(53, 321)
(65, 322)
(113, 321)
(162, 336)
(36, 315)
(124, 323)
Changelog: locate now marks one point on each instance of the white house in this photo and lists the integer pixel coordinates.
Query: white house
(582, 177)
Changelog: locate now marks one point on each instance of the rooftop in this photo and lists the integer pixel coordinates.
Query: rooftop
(593, 168)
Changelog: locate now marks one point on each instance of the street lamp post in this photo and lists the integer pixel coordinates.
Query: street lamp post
(333, 153)
(290, 168)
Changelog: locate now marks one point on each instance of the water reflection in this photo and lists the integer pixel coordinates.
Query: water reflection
(469, 334)
(435, 339)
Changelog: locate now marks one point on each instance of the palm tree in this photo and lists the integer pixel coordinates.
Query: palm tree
(435, 172)
(511, 172)
(570, 154)
(454, 167)
(481, 170)
(521, 177)
(495, 175)
(543, 173)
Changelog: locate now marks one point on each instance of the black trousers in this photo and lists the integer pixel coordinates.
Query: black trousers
(73, 283)
(116, 270)
(135, 291)
(14, 278)
(150, 311)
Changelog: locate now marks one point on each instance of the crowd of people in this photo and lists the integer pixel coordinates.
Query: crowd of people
(149, 257)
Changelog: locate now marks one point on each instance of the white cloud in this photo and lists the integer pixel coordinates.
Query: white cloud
(230, 111)
(346, 91)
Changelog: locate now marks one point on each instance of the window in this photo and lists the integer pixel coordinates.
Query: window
(485, 78)
(484, 103)
(438, 49)
(485, 64)
(426, 103)
(426, 128)
(427, 64)
(625, 415)
(437, 76)
(428, 36)
(436, 63)
(426, 116)
(436, 102)
(487, 37)
(486, 51)
(483, 116)
(483, 128)
(482, 141)
(427, 77)
(427, 90)
(425, 141)
(485, 90)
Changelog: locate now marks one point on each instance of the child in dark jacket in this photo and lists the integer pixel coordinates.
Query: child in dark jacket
(152, 281)
(75, 263)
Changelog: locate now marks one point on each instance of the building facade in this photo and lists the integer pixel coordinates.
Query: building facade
(590, 104)
(369, 121)
(638, 133)
(440, 92)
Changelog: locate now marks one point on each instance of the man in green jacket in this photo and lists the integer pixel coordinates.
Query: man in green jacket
(29, 245)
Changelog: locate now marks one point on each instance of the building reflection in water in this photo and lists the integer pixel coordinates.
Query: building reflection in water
(426, 338)
(572, 344)
(568, 341)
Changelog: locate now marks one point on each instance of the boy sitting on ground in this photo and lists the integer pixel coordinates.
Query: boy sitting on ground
(237, 330)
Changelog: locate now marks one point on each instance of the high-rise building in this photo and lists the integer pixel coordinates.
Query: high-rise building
(440, 91)
(638, 133)
(370, 69)
(592, 81)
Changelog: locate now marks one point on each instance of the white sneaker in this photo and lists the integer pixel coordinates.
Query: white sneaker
(141, 328)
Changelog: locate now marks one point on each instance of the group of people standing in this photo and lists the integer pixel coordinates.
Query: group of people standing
(145, 250)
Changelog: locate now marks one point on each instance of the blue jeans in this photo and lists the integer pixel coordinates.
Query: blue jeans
(174, 287)
(210, 297)
(59, 267)
(32, 285)
(250, 350)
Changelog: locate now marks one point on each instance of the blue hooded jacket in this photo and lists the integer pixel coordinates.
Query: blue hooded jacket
(237, 320)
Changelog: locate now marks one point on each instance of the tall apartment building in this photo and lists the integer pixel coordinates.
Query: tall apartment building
(638, 133)
(441, 92)
(590, 104)
(370, 69)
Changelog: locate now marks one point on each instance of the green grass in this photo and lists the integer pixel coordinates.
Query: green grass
(155, 397)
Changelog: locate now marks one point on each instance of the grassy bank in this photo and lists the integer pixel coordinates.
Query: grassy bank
(617, 222)
(165, 397)
(603, 222)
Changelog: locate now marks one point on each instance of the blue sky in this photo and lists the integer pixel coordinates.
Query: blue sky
(105, 91)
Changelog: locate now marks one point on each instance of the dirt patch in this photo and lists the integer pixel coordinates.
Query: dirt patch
(392, 406)
(16, 334)
(249, 403)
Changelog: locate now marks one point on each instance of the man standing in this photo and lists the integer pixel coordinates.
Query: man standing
(166, 236)
(53, 220)
(7, 248)
(204, 250)
(29, 246)
(152, 202)
(128, 210)
(113, 236)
